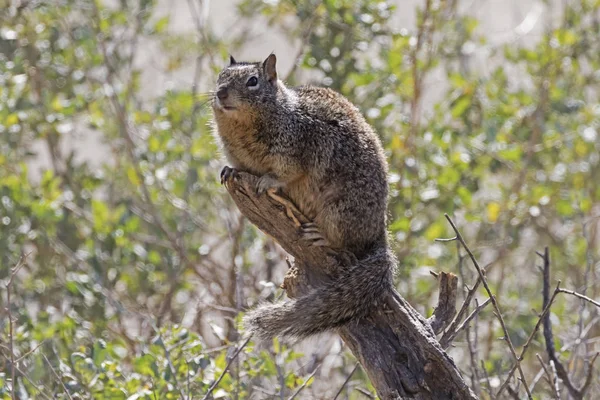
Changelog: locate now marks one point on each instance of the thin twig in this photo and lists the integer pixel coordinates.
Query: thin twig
(30, 351)
(346, 381)
(538, 376)
(583, 304)
(57, 377)
(529, 339)
(445, 240)
(513, 392)
(301, 387)
(487, 380)
(445, 341)
(32, 383)
(543, 319)
(13, 273)
(281, 378)
(451, 335)
(561, 371)
(187, 380)
(233, 357)
(555, 378)
(170, 363)
(590, 375)
(472, 347)
(551, 382)
(494, 304)
(264, 391)
(571, 292)
(365, 392)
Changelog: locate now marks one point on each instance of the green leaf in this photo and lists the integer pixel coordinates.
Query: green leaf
(161, 24)
(464, 195)
(564, 208)
(435, 231)
(460, 106)
(513, 153)
(99, 352)
(146, 365)
(401, 224)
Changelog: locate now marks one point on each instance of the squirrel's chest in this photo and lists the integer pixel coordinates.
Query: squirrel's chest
(245, 150)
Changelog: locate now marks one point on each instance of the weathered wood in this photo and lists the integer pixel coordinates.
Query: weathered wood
(446, 308)
(396, 345)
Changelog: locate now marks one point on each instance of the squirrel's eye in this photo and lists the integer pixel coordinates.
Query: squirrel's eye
(252, 81)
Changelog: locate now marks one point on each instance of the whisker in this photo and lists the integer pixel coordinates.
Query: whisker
(202, 104)
(209, 93)
(205, 97)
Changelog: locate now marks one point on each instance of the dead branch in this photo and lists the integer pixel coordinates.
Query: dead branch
(451, 335)
(395, 345)
(446, 308)
(11, 340)
(530, 338)
(582, 297)
(551, 381)
(301, 387)
(487, 380)
(446, 341)
(561, 371)
(498, 313)
(58, 377)
(229, 362)
(346, 381)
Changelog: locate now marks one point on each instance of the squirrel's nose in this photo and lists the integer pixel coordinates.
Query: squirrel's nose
(222, 93)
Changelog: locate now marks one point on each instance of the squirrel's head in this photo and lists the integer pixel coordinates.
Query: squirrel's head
(241, 86)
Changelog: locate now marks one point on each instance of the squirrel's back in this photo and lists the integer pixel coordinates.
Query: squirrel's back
(350, 177)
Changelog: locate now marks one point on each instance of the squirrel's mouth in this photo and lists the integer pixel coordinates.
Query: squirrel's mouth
(218, 104)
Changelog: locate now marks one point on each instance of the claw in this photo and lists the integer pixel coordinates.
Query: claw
(347, 258)
(312, 235)
(320, 243)
(227, 174)
(343, 257)
(310, 232)
(309, 227)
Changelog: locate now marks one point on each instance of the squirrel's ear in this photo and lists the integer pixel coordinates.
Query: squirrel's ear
(269, 67)
(232, 60)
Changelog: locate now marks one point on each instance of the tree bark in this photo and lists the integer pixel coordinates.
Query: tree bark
(396, 345)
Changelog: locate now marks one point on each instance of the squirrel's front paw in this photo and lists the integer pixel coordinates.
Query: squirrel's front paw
(227, 174)
(266, 182)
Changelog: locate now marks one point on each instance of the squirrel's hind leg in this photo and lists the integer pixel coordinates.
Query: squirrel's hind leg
(290, 208)
(308, 231)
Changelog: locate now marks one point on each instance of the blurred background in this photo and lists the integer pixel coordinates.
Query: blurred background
(125, 267)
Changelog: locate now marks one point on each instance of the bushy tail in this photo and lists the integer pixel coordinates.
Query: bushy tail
(354, 294)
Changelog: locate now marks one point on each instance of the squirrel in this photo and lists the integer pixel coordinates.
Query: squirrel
(315, 146)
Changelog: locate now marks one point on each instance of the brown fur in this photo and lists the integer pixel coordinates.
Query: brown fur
(315, 145)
